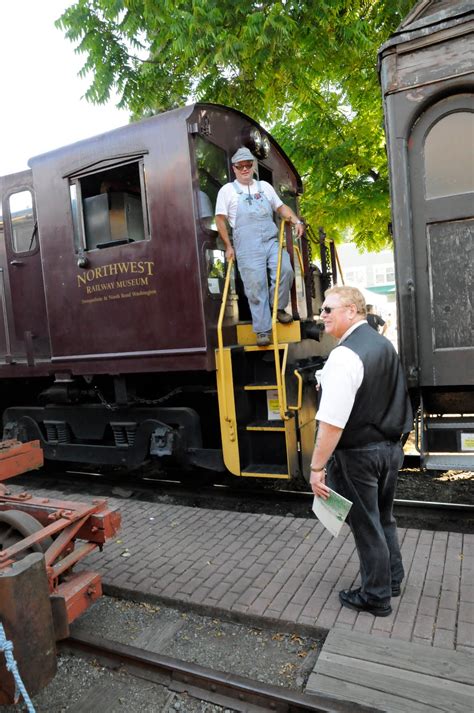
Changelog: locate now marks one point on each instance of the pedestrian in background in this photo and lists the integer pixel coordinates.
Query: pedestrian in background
(363, 412)
(375, 320)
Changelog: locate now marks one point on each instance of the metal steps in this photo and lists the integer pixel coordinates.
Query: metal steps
(276, 425)
(265, 470)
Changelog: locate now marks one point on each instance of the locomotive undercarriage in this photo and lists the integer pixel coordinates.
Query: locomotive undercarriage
(76, 423)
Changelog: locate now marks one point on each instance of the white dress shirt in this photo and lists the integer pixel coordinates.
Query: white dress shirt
(340, 380)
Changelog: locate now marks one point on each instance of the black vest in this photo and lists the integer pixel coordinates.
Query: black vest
(382, 409)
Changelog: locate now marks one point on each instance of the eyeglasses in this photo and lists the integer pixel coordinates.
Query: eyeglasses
(242, 166)
(328, 310)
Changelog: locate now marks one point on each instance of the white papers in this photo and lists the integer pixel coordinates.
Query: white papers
(332, 512)
(273, 405)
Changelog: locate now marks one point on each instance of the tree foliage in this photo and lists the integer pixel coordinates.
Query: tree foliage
(305, 69)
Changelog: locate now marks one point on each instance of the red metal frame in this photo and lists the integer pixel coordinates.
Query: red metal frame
(66, 521)
(17, 458)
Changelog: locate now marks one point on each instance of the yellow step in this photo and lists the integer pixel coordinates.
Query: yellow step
(260, 387)
(265, 470)
(276, 425)
(246, 337)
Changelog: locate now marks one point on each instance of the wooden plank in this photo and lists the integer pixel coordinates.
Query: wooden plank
(435, 62)
(318, 683)
(451, 665)
(442, 695)
(103, 697)
(155, 639)
(115, 695)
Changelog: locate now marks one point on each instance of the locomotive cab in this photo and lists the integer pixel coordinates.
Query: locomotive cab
(112, 300)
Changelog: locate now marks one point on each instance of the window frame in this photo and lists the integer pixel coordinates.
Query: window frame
(7, 218)
(208, 230)
(74, 180)
(429, 175)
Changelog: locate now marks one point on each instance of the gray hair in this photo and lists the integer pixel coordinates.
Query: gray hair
(349, 296)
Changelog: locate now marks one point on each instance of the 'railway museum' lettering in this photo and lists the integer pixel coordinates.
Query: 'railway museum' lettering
(140, 267)
(120, 284)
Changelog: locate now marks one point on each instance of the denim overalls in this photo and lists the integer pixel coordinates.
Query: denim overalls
(256, 246)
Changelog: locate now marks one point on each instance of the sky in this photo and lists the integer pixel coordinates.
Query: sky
(41, 95)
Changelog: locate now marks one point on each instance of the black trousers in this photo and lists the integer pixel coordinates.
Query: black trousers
(367, 476)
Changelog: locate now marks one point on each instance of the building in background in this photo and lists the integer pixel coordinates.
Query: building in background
(374, 275)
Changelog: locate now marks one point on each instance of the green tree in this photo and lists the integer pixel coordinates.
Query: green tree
(305, 69)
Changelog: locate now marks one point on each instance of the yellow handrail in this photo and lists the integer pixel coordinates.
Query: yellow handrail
(279, 371)
(296, 372)
(300, 258)
(220, 343)
(339, 265)
(300, 392)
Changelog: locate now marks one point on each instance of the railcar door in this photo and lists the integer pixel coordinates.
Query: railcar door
(25, 332)
(441, 152)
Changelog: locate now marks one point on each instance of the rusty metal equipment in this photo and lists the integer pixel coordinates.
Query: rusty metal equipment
(41, 540)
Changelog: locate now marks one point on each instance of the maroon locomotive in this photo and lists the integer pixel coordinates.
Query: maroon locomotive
(111, 286)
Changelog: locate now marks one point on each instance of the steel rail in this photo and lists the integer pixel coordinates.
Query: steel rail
(148, 483)
(205, 683)
(432, 504)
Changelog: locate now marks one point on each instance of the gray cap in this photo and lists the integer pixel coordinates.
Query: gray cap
(243, 154)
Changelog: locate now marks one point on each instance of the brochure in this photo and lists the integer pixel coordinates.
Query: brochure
(332, 512)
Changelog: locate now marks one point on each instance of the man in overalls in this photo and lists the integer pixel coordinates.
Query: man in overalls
(247, 206)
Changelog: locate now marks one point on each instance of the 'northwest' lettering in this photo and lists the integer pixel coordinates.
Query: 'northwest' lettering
(139, 267)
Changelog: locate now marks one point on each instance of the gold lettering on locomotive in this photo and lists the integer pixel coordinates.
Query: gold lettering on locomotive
(100, 288)
(142, 267)
(136, 282)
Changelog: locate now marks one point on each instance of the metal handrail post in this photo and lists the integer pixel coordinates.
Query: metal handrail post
(279, 375)
(220, 340)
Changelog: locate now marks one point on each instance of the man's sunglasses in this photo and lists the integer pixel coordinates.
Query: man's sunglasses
(241, 166)
(328, 310)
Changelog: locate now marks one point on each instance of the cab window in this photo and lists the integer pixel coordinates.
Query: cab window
(216, 272)
(109, 207)
(23, 222)
(212, 172)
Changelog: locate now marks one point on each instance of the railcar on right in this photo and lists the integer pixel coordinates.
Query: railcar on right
(427, 78)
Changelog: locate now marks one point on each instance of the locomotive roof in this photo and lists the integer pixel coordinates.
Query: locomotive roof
(181, 113)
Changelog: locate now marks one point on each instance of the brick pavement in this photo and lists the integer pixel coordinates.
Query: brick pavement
(288, 570)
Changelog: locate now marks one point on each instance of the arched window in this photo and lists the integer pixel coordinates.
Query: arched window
(449, 156)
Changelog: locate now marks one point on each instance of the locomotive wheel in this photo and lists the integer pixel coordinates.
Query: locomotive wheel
(15, 525)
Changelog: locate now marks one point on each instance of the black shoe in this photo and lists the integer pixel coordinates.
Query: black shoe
(263, 339)
(353, 599)
(396, 589)
(284, 317)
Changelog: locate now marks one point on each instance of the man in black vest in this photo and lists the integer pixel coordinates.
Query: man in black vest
(363, 412)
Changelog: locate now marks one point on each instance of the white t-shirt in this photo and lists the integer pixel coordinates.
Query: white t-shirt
(228, 198)
(340, 379)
